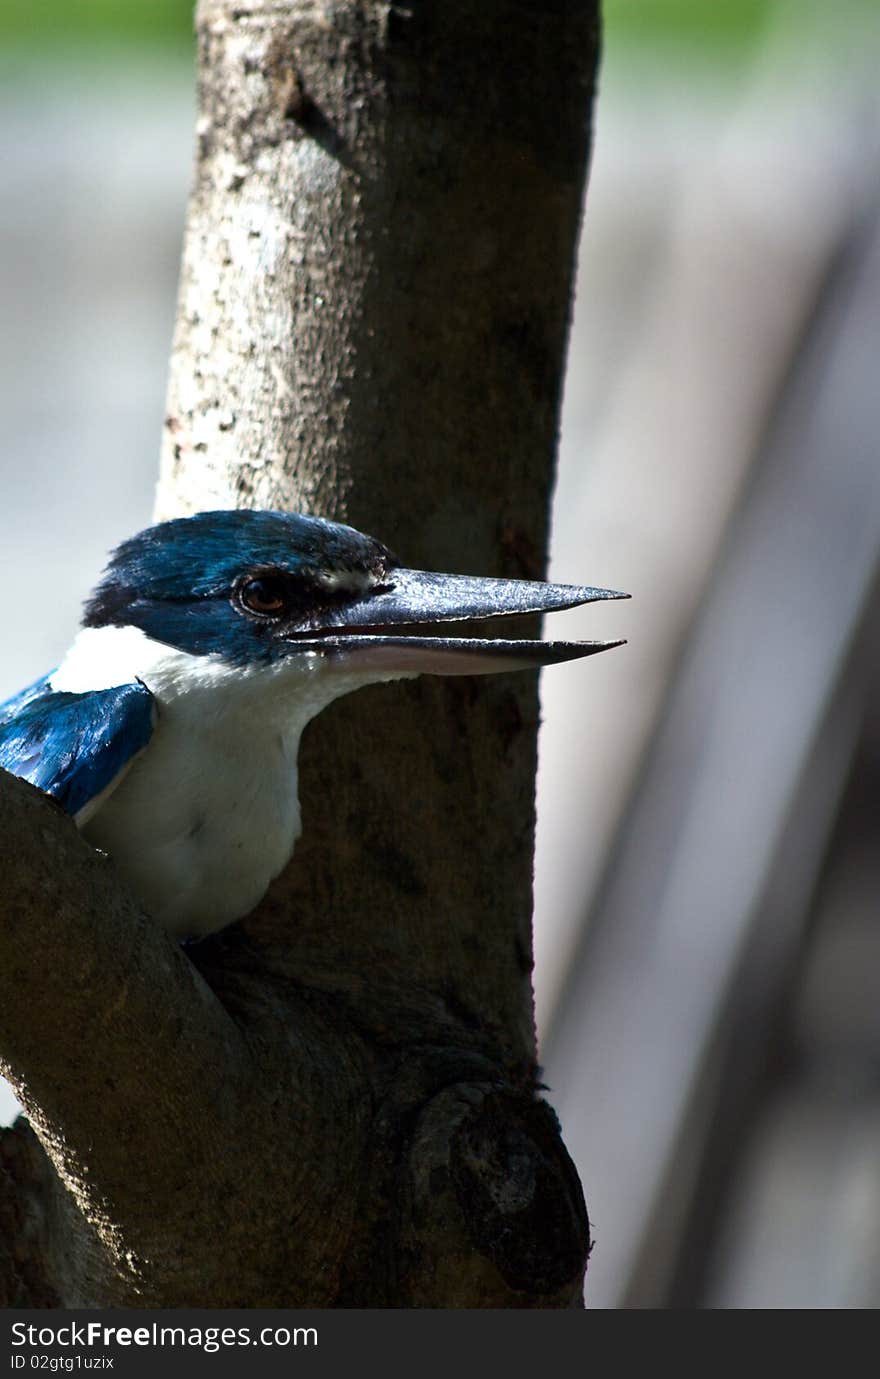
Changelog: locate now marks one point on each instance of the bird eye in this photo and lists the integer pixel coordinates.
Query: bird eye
(264, 596)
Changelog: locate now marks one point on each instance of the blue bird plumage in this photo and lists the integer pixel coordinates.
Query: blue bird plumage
(74, 746)
(171, 729)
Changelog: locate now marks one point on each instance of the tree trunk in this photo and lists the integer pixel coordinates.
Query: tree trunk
(372, 327)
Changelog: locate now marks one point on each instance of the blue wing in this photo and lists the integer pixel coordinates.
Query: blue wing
(74, 746)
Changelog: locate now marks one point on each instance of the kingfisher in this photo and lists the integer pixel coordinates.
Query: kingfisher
(170, 730)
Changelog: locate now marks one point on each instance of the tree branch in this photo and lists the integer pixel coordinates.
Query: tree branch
(153, 1101)
(372, 325)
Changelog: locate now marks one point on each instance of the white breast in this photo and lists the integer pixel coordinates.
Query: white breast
(208, 814)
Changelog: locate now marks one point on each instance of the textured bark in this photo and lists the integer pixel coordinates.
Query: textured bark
(372, 327)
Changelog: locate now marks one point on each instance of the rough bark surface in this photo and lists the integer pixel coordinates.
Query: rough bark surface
(372, 326)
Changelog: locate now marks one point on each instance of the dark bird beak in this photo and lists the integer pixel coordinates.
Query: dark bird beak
(377, 627)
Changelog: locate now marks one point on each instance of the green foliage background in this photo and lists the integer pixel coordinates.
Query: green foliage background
(90, 22)
(722, 23)
(721, 29)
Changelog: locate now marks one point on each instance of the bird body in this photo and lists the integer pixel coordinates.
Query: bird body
(171, 729)
(204, 819)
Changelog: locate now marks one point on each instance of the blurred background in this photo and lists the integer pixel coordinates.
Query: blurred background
(708, 868)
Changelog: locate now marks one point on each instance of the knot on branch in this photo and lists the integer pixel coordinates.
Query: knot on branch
(488, 1162)
(519, 1193)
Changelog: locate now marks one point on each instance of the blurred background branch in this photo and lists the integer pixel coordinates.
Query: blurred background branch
(707, 919)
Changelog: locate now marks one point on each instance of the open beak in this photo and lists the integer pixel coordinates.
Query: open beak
(377, 627)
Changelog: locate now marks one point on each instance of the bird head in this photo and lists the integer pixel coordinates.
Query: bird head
(257, 588)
